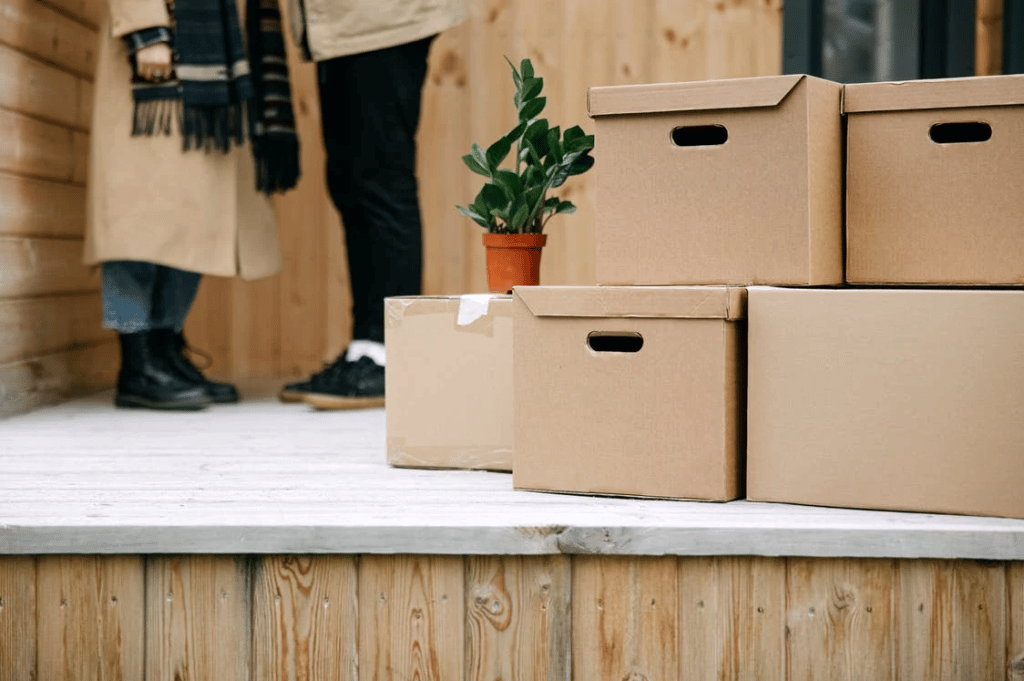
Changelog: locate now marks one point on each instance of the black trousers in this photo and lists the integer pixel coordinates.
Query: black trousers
(370, 109)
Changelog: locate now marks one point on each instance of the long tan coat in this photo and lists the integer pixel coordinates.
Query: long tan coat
(335, 28)
(147, 199)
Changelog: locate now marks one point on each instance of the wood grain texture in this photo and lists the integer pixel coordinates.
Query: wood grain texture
(91, 617)
(198, 618)
(411, 614)
(733, 617)
(518, 618)
(34, 148)
(87, 12)
(1015, 621)
(625, 618)
(840, 619)
(952, 620)
(43, 32)
(305, 618)
(33, 87)
(40, 208)
(18, 640)
(41, 326)
(37, 266)
(50, 379)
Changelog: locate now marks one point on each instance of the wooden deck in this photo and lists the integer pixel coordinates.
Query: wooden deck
(263, 477)
(267, 541)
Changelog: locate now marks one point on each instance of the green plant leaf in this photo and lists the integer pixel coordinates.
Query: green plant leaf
(492, 197)
(566, 207)
(533, 176)
(497, 152)
(510, 183)
(573, 133)
(551, 203)
(531, 88)
(532, 108)
(475, 217)
(515, 74)
(478, 154)
(475, 166)
(526, 66)
(520, 217)
(582, 164)
(576, 144)
(532, 152)
(554, 145)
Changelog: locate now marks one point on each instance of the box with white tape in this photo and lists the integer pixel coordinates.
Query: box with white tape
(449, 381)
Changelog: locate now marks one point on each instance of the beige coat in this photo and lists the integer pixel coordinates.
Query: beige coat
(148, 200)
(336, 28)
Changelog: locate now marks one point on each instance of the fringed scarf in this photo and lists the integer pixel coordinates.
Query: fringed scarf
(215, 85)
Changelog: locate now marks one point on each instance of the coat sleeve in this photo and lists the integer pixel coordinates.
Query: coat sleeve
(128, 16)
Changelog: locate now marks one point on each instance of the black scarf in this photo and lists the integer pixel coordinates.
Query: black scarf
(215, 84)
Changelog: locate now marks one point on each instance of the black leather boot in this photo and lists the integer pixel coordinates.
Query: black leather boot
(171, 345)
(148, 381)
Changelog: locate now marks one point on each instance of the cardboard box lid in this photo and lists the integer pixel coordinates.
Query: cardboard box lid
(943, 93)
(674, 302)
(706, 95)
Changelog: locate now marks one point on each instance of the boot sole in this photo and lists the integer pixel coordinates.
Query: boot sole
(129, 402)
(335, 402)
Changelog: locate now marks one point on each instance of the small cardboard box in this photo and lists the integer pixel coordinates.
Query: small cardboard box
(719, 182)
(628, 390)
(935, 170)
(900, 399)
(449, 382)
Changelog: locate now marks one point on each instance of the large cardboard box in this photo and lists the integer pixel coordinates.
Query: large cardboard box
(934, 176)
(900, 399)
(628, 391)
(449, 382)
(719, 182)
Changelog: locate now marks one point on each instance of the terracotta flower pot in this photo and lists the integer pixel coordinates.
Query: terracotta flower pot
(513, 260)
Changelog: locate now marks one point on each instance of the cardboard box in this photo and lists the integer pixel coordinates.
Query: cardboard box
(449, 382)
(628, 391)
(934, 177)
(899, 399)
(719, 182)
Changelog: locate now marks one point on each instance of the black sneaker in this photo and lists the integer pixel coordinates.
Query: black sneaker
(359, 385)
(330, 374)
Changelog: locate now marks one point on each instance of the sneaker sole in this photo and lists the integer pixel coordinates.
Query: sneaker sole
(333, 402)
(290, 396)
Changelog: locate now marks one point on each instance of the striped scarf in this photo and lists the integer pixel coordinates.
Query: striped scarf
(215, 83)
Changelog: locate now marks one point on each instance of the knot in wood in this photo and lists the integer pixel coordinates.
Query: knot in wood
(1016, 667)
(635, 676)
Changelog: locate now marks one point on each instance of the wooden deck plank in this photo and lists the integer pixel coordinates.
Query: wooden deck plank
(18, 617)
(91, 621)
(518, 618)
(411, 611)
(626, 615)
(262, 477)
(197, 618)
(305, 618)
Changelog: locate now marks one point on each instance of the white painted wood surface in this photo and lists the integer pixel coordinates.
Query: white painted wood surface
(263, 477)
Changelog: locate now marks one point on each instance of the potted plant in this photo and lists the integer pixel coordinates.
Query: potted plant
(515, 204)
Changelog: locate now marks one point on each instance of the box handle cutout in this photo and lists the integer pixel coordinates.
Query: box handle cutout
(960, 133)
(601, 341)
(700, 135)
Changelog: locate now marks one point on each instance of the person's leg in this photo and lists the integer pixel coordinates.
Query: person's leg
(174, 292)
(370, 110)
(145, 379)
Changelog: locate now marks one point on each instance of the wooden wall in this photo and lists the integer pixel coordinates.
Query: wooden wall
(51, 343)
(514, 618)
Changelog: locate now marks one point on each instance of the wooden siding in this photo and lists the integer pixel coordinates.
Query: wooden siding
(450, 618)
(51, 342)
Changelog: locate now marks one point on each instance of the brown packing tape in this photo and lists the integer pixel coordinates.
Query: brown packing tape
(491, 458)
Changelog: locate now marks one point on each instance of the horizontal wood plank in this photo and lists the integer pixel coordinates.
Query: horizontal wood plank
(40, 208)
(43, 326)
(37, 149)
(88, 12)
(44, 32)
(36, 88)
(33, 267)
(52, 378)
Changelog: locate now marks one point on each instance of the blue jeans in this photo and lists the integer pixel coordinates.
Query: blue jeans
(140, 296)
